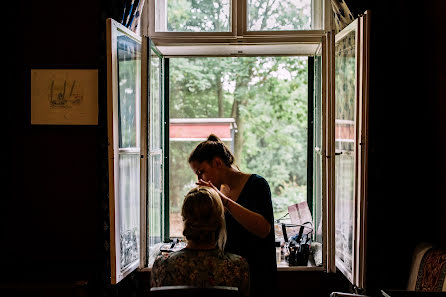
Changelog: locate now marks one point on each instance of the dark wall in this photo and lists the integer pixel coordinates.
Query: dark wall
(55, 206)
(49, 225)
(407, 136)
(55, 218)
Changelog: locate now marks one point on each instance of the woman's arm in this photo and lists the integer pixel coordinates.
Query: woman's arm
(252, 221)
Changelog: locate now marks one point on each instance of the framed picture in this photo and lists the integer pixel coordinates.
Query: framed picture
(64, 96)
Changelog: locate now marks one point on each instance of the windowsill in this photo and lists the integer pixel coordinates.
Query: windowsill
(311, 266)
(283, 266)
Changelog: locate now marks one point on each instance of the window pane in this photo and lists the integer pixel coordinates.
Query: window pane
(129, 188)
(265, 97)
(317, 150)
(155, 103)
(344, 208)
(345, 94)
(155, 161)
(129, 78)
(265, 15)
(155, 199)
(192, 16)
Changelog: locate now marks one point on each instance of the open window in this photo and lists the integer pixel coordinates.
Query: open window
(155, 204)
(145, 105)
(124, 133)
(350, 122)
(261, 107)
(136, 131)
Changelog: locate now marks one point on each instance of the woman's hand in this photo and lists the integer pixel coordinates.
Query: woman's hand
(223, 192)
(252, 221)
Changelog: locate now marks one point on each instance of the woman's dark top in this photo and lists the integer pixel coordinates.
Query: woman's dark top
(260, 252)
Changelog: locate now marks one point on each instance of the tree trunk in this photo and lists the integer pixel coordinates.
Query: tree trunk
(219, 94)
(238, 137)
(241, 94)
(240, 99)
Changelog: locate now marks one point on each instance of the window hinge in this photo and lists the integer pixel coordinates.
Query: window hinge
(358, 290)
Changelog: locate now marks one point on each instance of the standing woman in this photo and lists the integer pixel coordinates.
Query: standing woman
(249, 212)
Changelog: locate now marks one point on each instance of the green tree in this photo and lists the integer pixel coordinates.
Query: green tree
(267, 97)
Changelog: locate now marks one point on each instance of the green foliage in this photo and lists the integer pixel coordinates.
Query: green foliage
(129, 73)
(276, 131)
(181, 179)
(198, 15)
(273, 106)
(345, 75)
(279, 15)
(267, 96)
(193, 87)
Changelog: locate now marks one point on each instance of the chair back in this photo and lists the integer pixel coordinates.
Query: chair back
(428, 269)
(186, 291)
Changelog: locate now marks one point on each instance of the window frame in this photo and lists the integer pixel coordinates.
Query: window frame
(328, 167)
(239, 34)
(114, 150)
(166, 174)
(326, 41)
(364, 69)
(352, 27)
(310, 138)
(148, 46)
(362, 40)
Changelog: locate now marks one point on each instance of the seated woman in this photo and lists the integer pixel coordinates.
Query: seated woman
(203, 262)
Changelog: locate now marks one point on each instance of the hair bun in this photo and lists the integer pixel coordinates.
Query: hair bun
(213, 137)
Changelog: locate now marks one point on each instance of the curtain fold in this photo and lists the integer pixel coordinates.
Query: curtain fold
(342, 15)
(131, 12)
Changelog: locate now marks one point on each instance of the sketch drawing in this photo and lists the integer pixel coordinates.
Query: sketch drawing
(60, 98)
(64, 96)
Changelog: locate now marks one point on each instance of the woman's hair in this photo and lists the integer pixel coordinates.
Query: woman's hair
(204, 217)
(211, 148)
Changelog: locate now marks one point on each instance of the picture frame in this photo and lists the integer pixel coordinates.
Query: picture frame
(64, 96)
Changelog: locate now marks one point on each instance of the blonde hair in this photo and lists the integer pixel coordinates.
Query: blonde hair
(204, 217)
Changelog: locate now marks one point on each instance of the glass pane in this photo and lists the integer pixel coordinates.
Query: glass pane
(265, 15)
(258, 105)
(155, 162)
(155, 105)
(129, 188)
(129, 78)
(317, 150)
(345, 94)
(155, 202)
(192, 16)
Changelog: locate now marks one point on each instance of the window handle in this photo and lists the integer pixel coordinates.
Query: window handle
(338, 153)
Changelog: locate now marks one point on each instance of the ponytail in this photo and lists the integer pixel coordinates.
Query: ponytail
(211, 148)
(213, 137)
